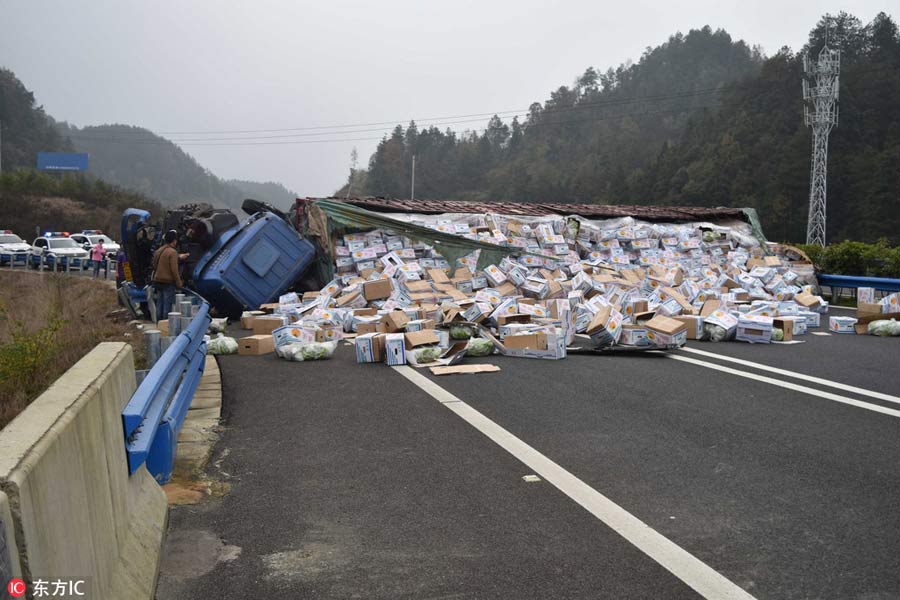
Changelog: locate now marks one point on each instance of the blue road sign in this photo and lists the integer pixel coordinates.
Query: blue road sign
(62, 161)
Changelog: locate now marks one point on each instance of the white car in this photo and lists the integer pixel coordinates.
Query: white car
(89, 237)
(57, 251)
(12, 247)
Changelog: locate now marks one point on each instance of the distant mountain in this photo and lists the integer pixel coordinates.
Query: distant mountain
(138, 159)
(270, 191)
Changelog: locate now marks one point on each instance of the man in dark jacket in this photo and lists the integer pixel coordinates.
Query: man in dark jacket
(166, 275)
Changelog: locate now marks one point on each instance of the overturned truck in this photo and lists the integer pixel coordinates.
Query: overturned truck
(235, 264)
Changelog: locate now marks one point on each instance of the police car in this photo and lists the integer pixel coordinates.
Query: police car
(89, 237)
(12, 248)
(55, 249)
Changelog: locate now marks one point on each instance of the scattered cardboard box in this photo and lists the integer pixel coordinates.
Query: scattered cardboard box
(266, 325)
(256, 345)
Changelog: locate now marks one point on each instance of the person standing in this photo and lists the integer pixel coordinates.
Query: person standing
(98, 255)
(166, 275)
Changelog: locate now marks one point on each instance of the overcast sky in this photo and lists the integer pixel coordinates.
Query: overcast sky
(216, 65)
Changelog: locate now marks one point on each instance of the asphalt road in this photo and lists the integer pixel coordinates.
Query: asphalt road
(349, 481)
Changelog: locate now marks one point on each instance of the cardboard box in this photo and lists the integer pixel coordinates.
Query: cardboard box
(513, 318)
(370, 348)
(666, 332)
(754, 329)
(255, 345)
(813, 319)
(247, 318)
(634, 335)
(426, 337)
(266, 325)
(478, 312)
(842, 325)
(419, 325)
(353, 299)
(710, 306)
(522, 341)
(788, 325)
(163, 326)
(606, 327)
(865, 294)
(808, 300)
(378, 289)
(395, 349)
(868, 308)
(395, 321)
(367, 327)
(694, 325)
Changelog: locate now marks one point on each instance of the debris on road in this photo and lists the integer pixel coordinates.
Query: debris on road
(884, 328)
(464, 369)
(524, 286)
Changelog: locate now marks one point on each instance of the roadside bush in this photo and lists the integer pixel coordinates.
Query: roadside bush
(47, 324)
(856, 258)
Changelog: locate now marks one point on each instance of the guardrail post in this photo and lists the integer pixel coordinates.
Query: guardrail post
(174, 323)
(68, 265)
(153, 345)
(186, 314)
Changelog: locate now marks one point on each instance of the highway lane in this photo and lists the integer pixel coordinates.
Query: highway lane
(787, 494)
(349, 482)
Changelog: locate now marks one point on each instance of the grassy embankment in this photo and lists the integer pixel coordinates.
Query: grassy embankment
(47, 323)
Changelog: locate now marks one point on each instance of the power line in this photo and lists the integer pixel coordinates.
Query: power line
(539, 124)
(424, 122)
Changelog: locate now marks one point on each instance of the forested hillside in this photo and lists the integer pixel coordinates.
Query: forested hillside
(138, 159)
(270, 191)
(121, 155)
(698, 120)
(64, 202)
(25, 128)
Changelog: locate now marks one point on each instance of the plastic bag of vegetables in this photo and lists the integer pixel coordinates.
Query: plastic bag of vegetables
(716, 333)
(460, 332)
(303, 351)
(217, 325)
(884, 328)
(479, 347)
(222, 345)
(421, 356)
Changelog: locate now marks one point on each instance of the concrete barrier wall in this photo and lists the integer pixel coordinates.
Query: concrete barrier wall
(74, 509)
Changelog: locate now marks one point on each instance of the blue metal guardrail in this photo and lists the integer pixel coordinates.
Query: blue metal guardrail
(154, 415)
(849, 281)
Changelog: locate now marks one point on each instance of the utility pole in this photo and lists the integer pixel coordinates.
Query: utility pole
(820, 112)
(412, 185)
(1, 147)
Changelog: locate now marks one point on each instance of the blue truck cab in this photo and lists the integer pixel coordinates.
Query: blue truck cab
(234, 265)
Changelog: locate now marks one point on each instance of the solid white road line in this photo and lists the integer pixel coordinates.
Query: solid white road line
(826, 382)
(705, 580)
(786, 384)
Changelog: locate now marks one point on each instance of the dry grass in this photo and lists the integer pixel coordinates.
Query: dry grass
(47, 323)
